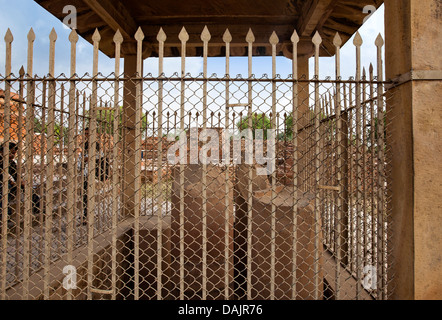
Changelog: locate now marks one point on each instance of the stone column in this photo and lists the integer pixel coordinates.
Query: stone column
(194, 231)
(413, 39)
(261, 240)
(303, 91)
(305, 52)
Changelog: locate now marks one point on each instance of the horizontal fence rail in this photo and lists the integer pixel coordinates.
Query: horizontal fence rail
(177, 187)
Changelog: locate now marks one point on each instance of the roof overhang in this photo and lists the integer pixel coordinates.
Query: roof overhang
(262, 16)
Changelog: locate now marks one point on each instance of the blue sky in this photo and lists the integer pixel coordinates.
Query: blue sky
(24, 14)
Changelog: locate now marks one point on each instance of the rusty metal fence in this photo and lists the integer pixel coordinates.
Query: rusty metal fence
(154, 187)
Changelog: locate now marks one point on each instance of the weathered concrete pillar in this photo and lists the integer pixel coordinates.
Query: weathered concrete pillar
(128, 122)
(413, 37)
(240, 245)
(303, 91)
(195, 230)
(262, 237)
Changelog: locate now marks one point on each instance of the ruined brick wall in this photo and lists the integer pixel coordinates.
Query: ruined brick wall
(15, 120)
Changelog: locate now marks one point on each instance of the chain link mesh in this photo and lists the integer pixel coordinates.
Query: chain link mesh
(316, 227)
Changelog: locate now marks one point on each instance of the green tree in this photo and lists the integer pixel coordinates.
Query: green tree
(288, 129)
(60, 132)
(259, 121)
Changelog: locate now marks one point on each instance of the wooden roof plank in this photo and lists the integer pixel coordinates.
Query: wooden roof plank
(312, 13)
(117, 18)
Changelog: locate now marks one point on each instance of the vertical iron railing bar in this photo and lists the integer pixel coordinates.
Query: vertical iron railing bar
(317, 40)
(337, 41)
(205, 37)
(50, 169)
(295, 136)
(19, 174)
(364, 175)
(250, 38)
(373, 170)
(358, 42)
(118, 40)
(91, 192)
(6, 135)
(381, 162)
(60, 173)
(161, 38)
(184, 37)
(274, 41)
(139, 36)
(227, 38)
(28, 178)
(42, 168)
(71, 192)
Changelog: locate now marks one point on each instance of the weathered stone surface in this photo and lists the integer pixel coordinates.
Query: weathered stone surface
(307, 234)
(412, 34)
(193, 228)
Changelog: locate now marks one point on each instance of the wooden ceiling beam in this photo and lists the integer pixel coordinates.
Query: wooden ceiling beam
(220, 19)
(313, 12)
(118, 18)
